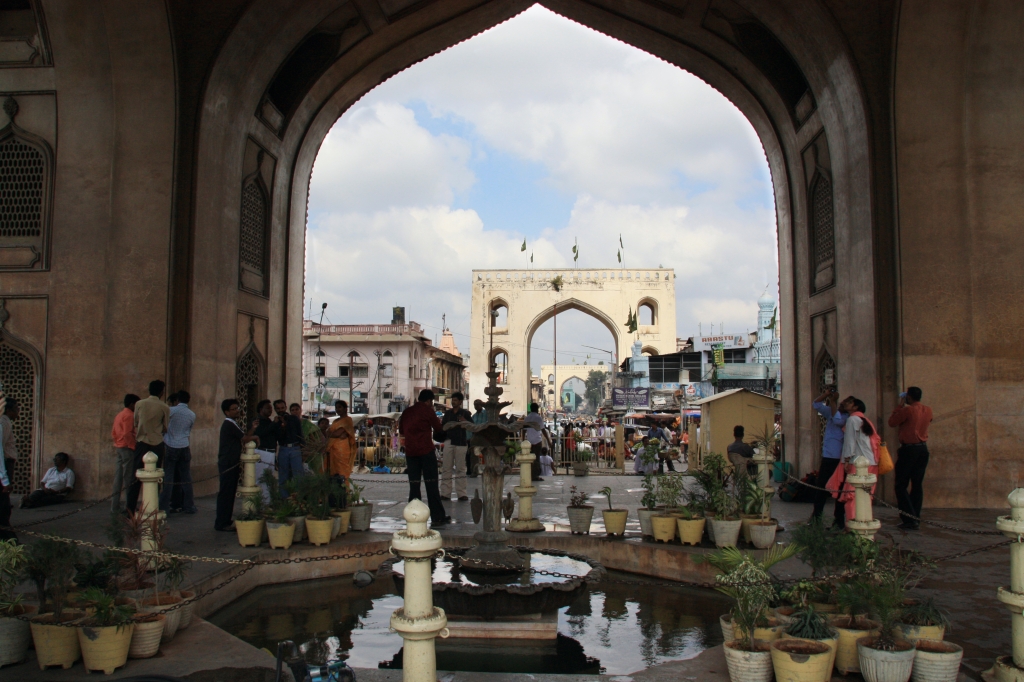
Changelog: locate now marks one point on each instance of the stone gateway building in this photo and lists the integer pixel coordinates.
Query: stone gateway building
(155, 158)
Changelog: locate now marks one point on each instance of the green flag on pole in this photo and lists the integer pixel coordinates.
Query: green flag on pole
(531, 256)
(619, 255)
(523, 247)
(621, 246)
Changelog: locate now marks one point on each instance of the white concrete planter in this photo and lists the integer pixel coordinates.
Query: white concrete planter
(15, 636)
(936, 661)
(646, 528)
(161, 604)
(361, 514)
(727, 534)
(762, 534)
(749, 666)
(579, 519)
(186, 610)
(146, 637)
(725, 620)
(300, 527)
(915, 633)
(885, 666)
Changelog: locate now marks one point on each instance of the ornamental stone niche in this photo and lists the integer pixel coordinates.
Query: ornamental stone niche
(821, 213)
(254, 221)
(26, 185)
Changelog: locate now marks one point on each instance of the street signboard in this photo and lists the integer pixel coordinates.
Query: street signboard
(626, 398)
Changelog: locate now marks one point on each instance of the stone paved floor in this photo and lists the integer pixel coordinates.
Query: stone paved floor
(966, 587)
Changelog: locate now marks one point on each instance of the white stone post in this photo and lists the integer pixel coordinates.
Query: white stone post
(418, 621)
(1011, 668)
(149, 476)
(248, 465)
(863, 522)
(764, 480)
(525, 491)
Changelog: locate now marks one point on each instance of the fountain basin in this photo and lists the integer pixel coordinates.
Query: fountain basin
(467, 594)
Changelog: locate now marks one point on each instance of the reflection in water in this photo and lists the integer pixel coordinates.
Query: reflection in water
(615, 629)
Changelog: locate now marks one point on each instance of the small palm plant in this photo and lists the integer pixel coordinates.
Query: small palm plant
(607, 492)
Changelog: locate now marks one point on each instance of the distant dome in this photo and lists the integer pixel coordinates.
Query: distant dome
(766, 301)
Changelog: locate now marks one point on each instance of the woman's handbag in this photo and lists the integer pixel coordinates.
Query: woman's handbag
(885, 464)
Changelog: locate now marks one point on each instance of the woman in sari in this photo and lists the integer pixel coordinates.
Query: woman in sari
(341, 442)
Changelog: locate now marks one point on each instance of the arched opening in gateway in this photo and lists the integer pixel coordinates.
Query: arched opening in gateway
(476, 188)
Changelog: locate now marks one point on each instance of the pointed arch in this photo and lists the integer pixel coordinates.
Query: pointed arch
(26, 195)
(254, 231)
(250, 380)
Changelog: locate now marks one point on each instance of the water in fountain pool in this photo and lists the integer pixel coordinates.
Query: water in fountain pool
(612, 628)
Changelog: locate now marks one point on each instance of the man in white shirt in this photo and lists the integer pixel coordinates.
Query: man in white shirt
(176, 495)
(56, 484)
(533, 432)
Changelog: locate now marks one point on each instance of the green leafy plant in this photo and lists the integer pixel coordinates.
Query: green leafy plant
(809, 624)
(96, 572)
(925, 613)
(650, 453)
(12, 562)
(175, 571)
(283, 510)
(557, 283)
(803, 593)
(355, 494)
(650, 486)
(887, 606)
(853, 596)
(670, 491)
(748, 581)
(607, 492)
(269, 481)
(51, 566)
(751, 496)
(253, 507)
(107, 612)
(712, 491)
(314, 493)
(577, 498)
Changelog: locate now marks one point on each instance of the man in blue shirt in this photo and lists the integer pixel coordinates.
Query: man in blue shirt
(831, 449)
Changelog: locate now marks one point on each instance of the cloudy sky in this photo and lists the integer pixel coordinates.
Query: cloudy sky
(539, 129)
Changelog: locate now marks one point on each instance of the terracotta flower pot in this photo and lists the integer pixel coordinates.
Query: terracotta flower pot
(762, 533)
(319, 530)
(186, 610)
(360, 515)
(580, 518)
(280, 534)
(832, 644)
(249, 532)
(15, 635)
(915, 633)
(748, 666)
(885, 666)
(147, 636)
(801, 660)
(691, 530)
(847, 658)
(56, 644)
(747, 519)
(300, 527)
(105, 648)
(646, 528)
(936, 661)
(727, 533)
(161, 604)
(664, 527)
(615, 521)
(341, 519)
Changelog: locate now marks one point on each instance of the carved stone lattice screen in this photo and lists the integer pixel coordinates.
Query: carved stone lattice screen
(247, 383)
(21, 189)
(18, 376)
(826, 369)
(824, 233)
(253, 228)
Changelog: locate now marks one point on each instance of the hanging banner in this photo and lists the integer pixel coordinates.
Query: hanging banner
(629, 398)
(719, 357)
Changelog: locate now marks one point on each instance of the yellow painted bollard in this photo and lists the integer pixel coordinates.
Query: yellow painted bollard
(1011, 668)
(150, 477)
(863, 523)
(525, 491)
(249, 486)
(419, 622)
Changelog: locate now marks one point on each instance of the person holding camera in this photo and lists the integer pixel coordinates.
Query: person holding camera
(912, 417)
(835, 413)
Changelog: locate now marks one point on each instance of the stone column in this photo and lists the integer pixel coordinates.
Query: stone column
(525, 491)
(620, 447)
(418, 621)
(764, 479)
(248, 465)
(149, 476)
(1011, 668)
(863, 522)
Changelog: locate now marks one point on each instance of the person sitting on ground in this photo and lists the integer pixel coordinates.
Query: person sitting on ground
(639, 466)
(57, 483)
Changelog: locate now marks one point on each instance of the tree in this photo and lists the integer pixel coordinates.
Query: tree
(595, 388)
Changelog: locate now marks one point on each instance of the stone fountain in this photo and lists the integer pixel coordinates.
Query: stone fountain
(489, 590)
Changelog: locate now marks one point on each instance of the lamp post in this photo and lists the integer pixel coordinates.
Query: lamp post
(319, 354)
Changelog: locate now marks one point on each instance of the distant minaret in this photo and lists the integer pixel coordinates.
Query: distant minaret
(765, 311)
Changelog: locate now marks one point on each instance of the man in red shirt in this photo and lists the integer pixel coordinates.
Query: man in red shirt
(123, 435)
(912, 417)
(418, 424)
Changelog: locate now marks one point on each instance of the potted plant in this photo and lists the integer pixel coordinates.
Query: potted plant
(884, 658)
(580, 513)
(165, 601)
(146, 635)
(175, 571)
(828, 550)
(279, 531)
(132, 573)
(249, 524)
(922, 620)
(729, 559)
(15, 635)
(712, 482)
(361, 510)
(614, 519)
(649, 502)
(668, 492)
(55, 644)
(936, 661)
(690, 526)
(750, 495)
(749, 583)
(340, 513)
(809, 625)
(106, 635)
(762, 530)
(853, 598)
(313, 492)
(726, 522)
